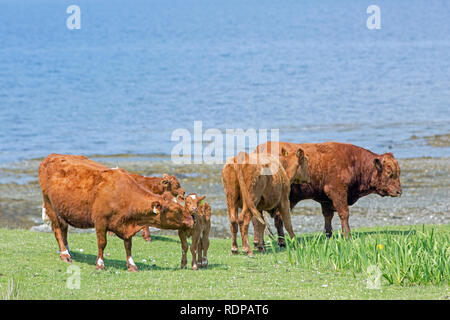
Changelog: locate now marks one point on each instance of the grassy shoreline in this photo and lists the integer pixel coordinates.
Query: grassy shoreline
(30, 260)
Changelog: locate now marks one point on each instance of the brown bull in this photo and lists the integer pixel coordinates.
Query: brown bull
(84, 194)
(259, 182)
(341, 173)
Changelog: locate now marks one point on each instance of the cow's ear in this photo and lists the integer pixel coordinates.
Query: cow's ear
(200, 199)
(284, 152)
(300, 154)
(156, 205)
(378, 165)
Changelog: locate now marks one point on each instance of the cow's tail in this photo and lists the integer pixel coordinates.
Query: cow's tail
(45, 217)
(244, 191)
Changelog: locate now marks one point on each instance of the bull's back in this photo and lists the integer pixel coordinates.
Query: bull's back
(328, 162)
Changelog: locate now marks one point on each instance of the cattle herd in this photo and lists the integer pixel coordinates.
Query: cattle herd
(274, 178)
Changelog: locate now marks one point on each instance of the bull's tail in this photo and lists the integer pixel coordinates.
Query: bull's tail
(244, 191)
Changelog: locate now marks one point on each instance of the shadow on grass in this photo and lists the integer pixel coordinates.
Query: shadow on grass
(118, 264)
(154, 238)
(91, 259)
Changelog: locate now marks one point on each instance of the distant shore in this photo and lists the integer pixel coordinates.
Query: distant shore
(424, 200)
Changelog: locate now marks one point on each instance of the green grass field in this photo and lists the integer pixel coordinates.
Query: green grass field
(318, 269)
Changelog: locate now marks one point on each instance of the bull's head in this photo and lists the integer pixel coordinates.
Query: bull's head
(386, 177)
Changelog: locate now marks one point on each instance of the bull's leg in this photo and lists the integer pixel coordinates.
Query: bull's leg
(101, 244)
(244, 222)
(58, 231)
(280, 229)
(146, 234)
(339, 199)
(130, 262)
(184, 248)
(328, 214)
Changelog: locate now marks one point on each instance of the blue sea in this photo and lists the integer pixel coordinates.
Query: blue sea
(138, 70)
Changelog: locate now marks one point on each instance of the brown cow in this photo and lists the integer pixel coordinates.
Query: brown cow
(341, 173)
(200, 232)
(158, 185)
(84, 194)
(259, 182)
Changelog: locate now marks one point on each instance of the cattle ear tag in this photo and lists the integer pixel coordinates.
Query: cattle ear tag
(201, 202)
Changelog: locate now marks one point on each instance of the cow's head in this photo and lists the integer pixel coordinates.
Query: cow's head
(297, 165)
(386, 176)
(175, 216)
(171, 184)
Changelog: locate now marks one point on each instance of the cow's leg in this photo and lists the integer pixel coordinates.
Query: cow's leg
(184, 248)
(130, 262)
(101, 244)
(194, 249)
(244, 222)
(256, 232)
(234, 225)
(64, 229)
(339, 199)
(258, 235)
(146, 234)
(58, 231)
(328, 214)
(286, 216)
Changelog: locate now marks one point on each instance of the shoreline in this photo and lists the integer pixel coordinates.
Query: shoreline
(424, 180)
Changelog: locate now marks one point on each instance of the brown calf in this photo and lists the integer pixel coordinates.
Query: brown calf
(200, 232)
(256, 182)
(84, 194)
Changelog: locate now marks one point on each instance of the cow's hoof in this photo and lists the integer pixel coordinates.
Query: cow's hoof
(234, 251)
(281, 244)
(99, 267)
(205, 263)
(132, 268)
(148, 239)
(66, 258)
(194, 267)
(261, 249)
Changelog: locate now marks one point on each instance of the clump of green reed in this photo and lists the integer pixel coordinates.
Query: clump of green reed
(409, 257)
(12, 291)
